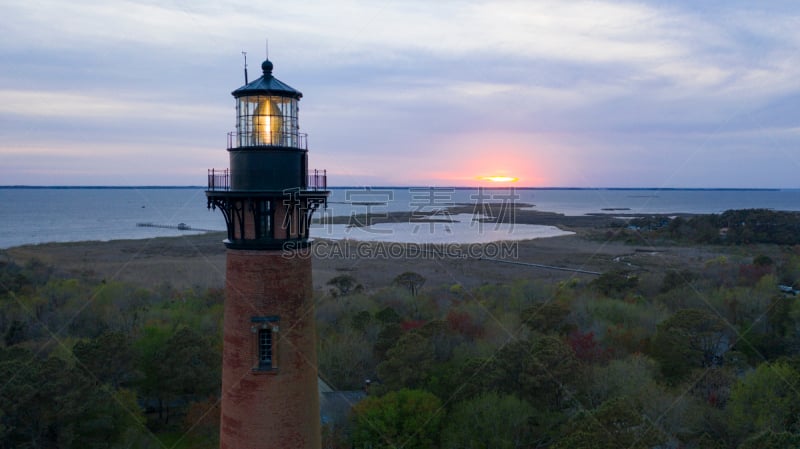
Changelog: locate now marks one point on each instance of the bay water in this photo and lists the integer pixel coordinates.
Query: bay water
(40, 215)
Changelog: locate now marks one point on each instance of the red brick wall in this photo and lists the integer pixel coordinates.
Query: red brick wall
(269, 409)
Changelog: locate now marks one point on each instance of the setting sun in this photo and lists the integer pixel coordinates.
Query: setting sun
(498, 178)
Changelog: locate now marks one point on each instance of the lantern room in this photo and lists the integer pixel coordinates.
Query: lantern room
(267, 151)
(266, 113)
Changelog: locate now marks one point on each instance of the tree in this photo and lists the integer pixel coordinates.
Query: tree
(765, 400)
(388, 315)
(361, 320)
(691, 338)
(109, 358)
(407, 363)
(714, 386)
(344, 284)
(674, 279)
(16, 333)
(148, 348)
(110, 415)
(201, 423)
(408, 419)
(182, 365)
(778, 315)
(442, 339)
(48, 403)
(490, 420)
(20, 417)
(462, 322)
(772, 440)
(616, 282)
(539, 371)
(190, 366)
(387, 338)
(616, 423)
(346, 359)
(585, 347)
(547, 317)
(411, 280)
(763, 261)
(632, 377)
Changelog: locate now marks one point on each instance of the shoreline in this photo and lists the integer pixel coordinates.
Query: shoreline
(520, 216)
(198, 261)
(578, 224)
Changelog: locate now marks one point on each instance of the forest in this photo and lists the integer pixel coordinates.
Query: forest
(732, 227)
(684, 358)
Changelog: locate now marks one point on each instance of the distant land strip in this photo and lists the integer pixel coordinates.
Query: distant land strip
(506, 187)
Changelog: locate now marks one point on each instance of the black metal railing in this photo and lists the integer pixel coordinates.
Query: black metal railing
(318, 180)
(221, 180)
(238, 139)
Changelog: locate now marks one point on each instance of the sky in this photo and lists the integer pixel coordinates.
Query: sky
(435, 93)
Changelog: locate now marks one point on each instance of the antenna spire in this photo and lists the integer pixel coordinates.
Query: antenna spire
(266, 46)
(244, 53)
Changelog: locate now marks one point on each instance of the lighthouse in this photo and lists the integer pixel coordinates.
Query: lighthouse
(267, 197)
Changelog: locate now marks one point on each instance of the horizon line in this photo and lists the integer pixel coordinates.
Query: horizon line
(361, 186)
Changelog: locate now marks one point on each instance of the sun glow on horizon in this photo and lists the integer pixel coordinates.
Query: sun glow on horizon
(498, 178)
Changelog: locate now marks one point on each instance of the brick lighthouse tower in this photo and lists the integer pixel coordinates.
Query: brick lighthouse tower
(269, 361)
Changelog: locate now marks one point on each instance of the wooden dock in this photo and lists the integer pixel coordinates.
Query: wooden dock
(179, 227)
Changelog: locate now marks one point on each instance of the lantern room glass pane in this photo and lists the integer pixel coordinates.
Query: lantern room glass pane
(267, 120)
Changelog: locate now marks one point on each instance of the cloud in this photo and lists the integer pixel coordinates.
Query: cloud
(101, 163)
(108, 25)
(41, 103)
(394, 85)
